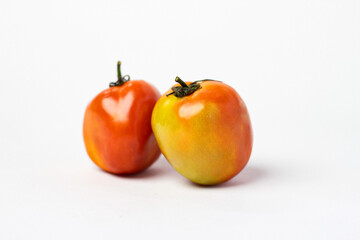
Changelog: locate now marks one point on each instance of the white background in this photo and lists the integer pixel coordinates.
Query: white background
(295, 63)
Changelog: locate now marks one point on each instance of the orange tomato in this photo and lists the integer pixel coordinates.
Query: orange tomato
(204, 130)
(117, 126)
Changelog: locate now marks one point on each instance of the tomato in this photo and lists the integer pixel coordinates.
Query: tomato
(204, 130)
(117, 126)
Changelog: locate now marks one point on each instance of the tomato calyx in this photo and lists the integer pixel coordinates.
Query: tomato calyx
(184, 89)
(121, 79)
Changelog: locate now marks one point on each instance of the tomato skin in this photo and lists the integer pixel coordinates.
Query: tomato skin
(117, 128)
(206, 136)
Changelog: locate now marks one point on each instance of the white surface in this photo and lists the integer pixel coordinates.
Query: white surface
(295, 63)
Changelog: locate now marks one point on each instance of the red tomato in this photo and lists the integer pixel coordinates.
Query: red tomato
(117, 126)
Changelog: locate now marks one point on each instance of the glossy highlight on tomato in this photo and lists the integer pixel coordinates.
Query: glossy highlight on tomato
(204, 130)
(117, 126)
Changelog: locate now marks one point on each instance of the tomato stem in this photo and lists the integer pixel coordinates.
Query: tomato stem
(121, 79)
(119, 69)
(181, 82)
(184, 89)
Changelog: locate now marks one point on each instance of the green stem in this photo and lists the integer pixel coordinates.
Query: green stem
(181, 82)
(121, 79)
(119, 70)
(184, 89)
